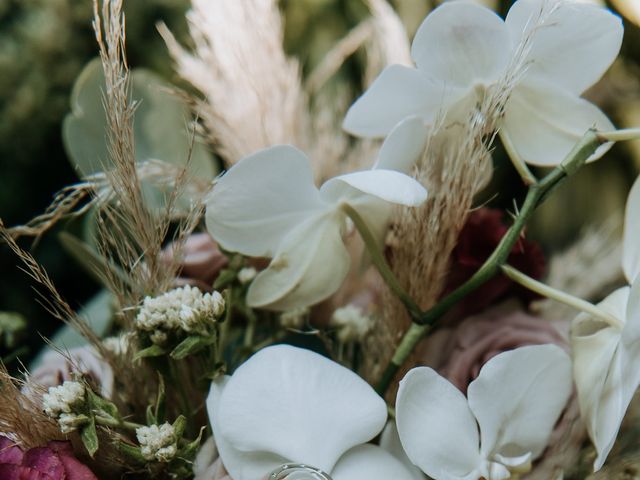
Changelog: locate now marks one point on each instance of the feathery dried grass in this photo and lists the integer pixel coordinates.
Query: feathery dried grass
(456, 165)
(253, 94)
(21, 415)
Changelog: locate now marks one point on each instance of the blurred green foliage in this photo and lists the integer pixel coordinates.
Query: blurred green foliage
(44, 45)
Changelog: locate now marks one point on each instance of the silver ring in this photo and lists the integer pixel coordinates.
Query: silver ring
(284, 471)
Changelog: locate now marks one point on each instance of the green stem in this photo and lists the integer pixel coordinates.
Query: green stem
(377, 257)
(115, 423)
(560, 296)
(620, 135)
(537, 193)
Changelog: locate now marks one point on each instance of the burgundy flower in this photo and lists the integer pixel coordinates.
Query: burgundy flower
(478, 239)
(53, 462)
(201, 261)
(479, 338)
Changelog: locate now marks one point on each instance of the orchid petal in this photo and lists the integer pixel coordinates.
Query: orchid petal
(512, 402)
(310, 265)
(404, 146)
(388, 185)
(261, 199)
(436, 426)
(598, 373)
(369, 462)
(572, 44)
(390, 441)
(399, 92)
(241, 465)
(543, 123)
(298, 405)
(462, 44)
(631, 245)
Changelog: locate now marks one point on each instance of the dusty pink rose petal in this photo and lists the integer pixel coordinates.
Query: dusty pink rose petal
(56, 368)
(481, 337)
(201, 261)
(10, 453)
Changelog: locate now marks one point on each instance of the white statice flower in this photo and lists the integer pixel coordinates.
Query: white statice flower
(185, 308)
(352, 323)
(289, 405)
(502, 425)
(267, 205)
(158, 442)
(246, 274)
(542, 58)
(606, 355)
(69, 422)
(294, 318)
(63, 398)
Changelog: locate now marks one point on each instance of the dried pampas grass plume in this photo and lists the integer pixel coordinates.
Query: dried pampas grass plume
(252, 91)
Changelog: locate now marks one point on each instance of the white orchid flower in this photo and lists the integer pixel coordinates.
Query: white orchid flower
(268, 206)
(289, 405)
(606, 355)
(502, 426)
(555, 49)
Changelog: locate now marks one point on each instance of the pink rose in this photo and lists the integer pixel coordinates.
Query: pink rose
(481, 337)
(53, 462)
(201, 261)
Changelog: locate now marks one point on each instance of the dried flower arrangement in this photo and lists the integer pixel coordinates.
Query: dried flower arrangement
(380, 326)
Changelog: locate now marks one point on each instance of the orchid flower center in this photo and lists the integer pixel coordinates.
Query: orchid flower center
(298, 471)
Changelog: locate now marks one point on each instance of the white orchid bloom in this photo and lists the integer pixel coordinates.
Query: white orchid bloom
(289, 405)
(502, 426)
(606, 356)
(268, 206)
(555, 49)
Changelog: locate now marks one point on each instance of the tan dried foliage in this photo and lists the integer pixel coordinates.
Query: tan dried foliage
(21, 415)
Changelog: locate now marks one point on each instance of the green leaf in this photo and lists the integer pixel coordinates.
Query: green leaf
(191, 345)
(89, 259)
(160, 128)
(179, 425)
(98, 314)
(12, 327)
(97, 403)
(131, 451)
(189, 451)
(225, 277)
(152, 351)
(151, 418)
(160, 400)
(89, 437)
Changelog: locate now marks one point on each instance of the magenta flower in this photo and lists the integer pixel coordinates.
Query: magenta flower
(53, 462)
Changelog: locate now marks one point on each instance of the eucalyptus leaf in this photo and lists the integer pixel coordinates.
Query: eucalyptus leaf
(160, 128)
(152, 351)
(191, 345)
(89, 259)
(97, 313)
(89, 437)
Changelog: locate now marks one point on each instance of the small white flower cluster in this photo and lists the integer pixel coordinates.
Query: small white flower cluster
(245, 275)
(158, 442)
(185, 308)
(294, 318)
(60, 402)
(351, 322)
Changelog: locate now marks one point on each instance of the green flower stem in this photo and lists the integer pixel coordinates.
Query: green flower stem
(620, 135)
(115, 423)
(377, 257)
(424, 321)
(560, 296)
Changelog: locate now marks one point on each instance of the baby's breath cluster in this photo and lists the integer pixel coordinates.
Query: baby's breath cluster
(63, 402)
(158, 442)
(185, 308)
(351, 322)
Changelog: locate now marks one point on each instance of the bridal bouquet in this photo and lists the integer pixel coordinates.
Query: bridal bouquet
(299, 286)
